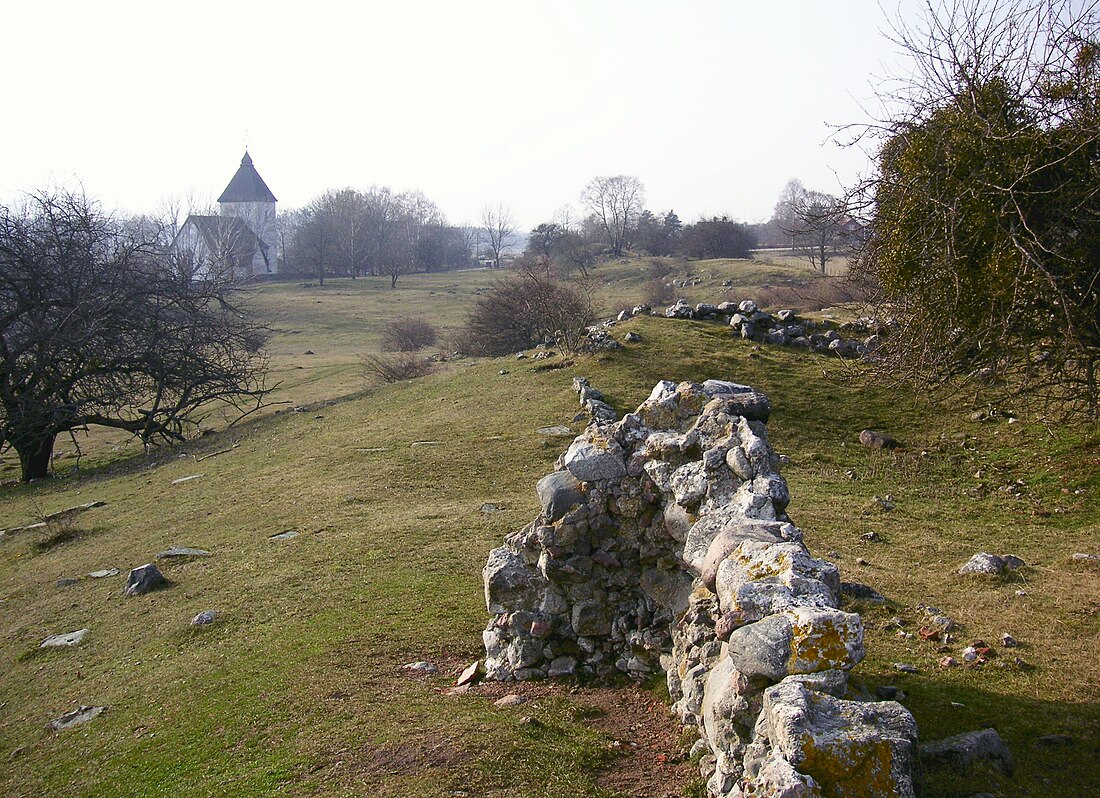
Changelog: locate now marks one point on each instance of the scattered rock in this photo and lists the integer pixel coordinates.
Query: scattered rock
(181, 480)
(65, 640)
(104, 574)
(511, 700)
(469, 674)
(182, 553)
(489, 508)
(66, 582)
(990, 564)
(289, 534)
(76, 717)
(204, 618)
(963, 751)
(417, 444)
(861, 592)
(947, 662)
(420, 668)
(143, 579)
(1052, 740)
(1086, 558)
(632, 338)
(905, 667)
(557, 431)
(1008, 641)
(877, 440)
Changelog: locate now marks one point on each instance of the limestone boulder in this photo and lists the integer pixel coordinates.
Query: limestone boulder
(143, 579)
(849, 748)
(594, 460)
(558, 493)
(510, 583)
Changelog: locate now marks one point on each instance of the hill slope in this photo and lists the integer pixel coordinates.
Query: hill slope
(297, 688)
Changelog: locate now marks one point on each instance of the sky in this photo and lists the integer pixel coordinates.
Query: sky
(713, 104)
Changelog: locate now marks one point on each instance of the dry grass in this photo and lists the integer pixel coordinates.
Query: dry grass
(300, 678)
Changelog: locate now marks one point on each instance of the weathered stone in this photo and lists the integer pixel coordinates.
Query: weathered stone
(591, 620)
(64, 641)
(204, 618)
(76, 717)
(762, 648)
(510, 584)
(984, 563)
(963, 751)
(558, 431)
(421, 667)
(846, 748)
(182, 553)
(877, 440)
(689, 484)
(104, 573)
(469, 674)
(558, 493)
(590, 461)
(143, 579)
(562, 666)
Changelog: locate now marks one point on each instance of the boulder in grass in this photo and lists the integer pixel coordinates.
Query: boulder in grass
(76, 717)
(65, 640)
(963, 751)
(877, 440)
(990, 564)
(143, 579)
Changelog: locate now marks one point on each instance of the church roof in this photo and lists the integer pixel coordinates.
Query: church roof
(247, 185)
(227, 235)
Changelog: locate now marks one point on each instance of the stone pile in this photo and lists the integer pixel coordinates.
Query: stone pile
(663, 544)
(783, 328)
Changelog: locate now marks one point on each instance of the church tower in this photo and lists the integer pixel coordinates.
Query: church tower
(248, 198)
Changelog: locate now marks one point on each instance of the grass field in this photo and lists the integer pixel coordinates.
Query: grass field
(297, 688)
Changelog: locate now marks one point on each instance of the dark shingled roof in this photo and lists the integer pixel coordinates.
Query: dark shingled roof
(228, 235)
(247, 185)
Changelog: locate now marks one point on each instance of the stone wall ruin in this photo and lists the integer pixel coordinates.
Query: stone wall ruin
(664, 543)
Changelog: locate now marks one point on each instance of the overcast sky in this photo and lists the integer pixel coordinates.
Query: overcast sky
(713, 105)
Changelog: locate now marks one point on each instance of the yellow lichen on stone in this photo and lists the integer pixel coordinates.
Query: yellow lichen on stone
(819, 646)
(850, 768)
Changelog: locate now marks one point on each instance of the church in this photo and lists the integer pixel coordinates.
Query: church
(239, 242)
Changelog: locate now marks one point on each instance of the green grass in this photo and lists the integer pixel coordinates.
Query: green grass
(297, 689)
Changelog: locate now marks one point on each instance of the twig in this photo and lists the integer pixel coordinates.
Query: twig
(215, 454)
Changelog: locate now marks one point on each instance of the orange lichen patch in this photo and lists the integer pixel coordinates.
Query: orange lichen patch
(824, 641)
(691, 401)
(660, 415)
(779, 563)
(850, 767)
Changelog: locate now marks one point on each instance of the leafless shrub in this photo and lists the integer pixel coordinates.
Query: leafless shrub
(395, 367)
(812, 295)
(532, 308)
(407, 334)
(657, 292)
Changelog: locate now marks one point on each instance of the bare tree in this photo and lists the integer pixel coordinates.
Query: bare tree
(500, 229)
(616, 202)
(96, 329)
(815, 222)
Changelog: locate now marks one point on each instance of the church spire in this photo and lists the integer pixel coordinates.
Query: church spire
(247, 185)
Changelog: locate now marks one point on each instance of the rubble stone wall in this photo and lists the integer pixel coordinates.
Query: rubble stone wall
(663, 543)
